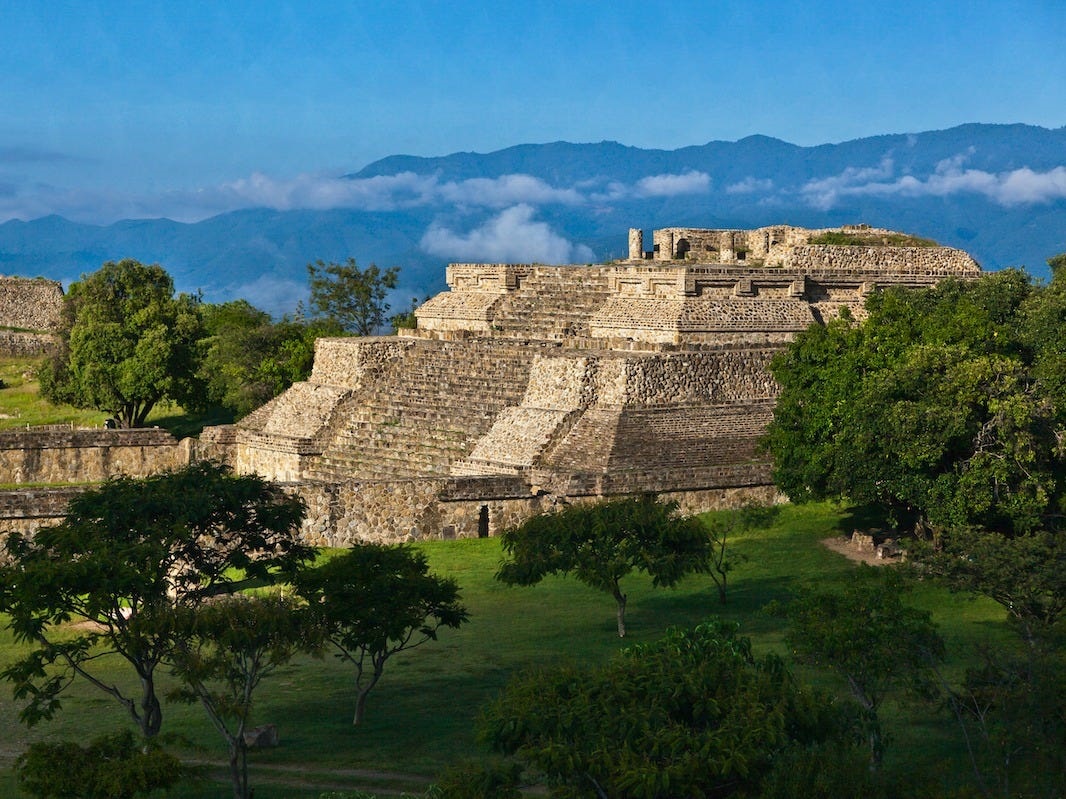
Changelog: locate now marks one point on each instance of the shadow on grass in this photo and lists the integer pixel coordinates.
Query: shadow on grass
(183, 425)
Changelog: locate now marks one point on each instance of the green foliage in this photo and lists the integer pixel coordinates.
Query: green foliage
(1012, 711)
(112, 767)
(406, 320)
(126, 343)
(868, 635)
(354, 298)
(249, 359)
(694, 714)
(871, 239)
(723, 526)
(481, 779)
(223, 651)
(937, 407)
(1025, 574)
(833, 770)
(600, 544)
(128, 553)
(374, 601)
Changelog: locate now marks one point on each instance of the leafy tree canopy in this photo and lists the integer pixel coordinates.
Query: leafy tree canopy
(224, 651)
(945, 406)
(600, 544)
(126, 343)
(248, 359)
(128, 553)
(352, 297)
(694, 714)
(374, 601)
(870, 637)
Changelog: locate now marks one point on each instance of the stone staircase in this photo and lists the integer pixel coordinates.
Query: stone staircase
(549, 307)
(423, 413)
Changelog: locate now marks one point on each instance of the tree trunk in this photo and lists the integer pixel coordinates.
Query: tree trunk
(620, 598)
(238, 767)
(360, 701)
(151, 719)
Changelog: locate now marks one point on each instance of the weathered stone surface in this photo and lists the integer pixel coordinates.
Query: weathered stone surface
(30, 304)
(525, 386)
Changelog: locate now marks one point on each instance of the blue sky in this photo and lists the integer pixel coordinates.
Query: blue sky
(126, 109)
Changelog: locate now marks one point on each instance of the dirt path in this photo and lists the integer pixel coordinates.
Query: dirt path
(843, 546)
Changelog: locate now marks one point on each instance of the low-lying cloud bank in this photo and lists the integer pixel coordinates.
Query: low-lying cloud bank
(1015, 187)
(512, 236)
(20, 199)
(402, 191)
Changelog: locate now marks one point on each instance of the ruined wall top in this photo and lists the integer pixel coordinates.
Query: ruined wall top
(696, 287)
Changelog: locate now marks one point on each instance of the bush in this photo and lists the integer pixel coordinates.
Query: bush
(111, 767)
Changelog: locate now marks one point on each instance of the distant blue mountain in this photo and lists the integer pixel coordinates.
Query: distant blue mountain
(998, 191)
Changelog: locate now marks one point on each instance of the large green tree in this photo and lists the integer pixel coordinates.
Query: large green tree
(374, 601)
(694, 714)
(941, 407)
(126, 343)
(128, 553)
(350, 296)
(602, 543)
(248, 359)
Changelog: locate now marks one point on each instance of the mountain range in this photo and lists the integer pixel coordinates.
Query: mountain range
(997, 191)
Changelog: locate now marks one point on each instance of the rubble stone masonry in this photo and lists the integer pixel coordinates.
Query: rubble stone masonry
(525, 386)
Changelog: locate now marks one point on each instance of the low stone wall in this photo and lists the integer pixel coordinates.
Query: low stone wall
(927, 262)
(66, 455)
(26, 510)
(394, 511)
(26, 345)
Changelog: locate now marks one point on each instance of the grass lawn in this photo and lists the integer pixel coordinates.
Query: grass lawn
(21, 405)
(421, 716)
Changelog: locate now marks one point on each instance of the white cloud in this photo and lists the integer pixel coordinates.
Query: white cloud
(1014, 187)
(404, 190)
(512, 236)
(823, 193)
(671, 185)
(750, 185)
(506, 190)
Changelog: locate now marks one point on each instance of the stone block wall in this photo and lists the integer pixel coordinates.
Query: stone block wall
(30, 304)
(65, 455)
(26, 345)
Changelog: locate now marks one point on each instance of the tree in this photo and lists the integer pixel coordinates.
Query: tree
(248, 359)
(225, 649)
(868, 636)
(127, 554)
(600, 544)
(694, 714)
(111, 767)
(934, 409)
(353, 297)
(126, 343)
(374, 601)
(721, 527)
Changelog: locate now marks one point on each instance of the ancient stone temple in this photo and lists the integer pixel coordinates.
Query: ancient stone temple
(527, 385)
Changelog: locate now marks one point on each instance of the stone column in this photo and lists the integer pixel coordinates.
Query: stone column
(636, 244)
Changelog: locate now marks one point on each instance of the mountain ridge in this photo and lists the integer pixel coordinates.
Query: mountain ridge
(998, 191)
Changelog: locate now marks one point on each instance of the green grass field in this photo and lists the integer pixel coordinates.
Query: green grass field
(421, 716)
(21, 405)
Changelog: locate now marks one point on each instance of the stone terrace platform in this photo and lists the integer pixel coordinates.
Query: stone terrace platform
(525, 386)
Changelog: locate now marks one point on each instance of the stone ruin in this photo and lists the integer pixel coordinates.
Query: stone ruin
(525, 385)
(30, 312)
